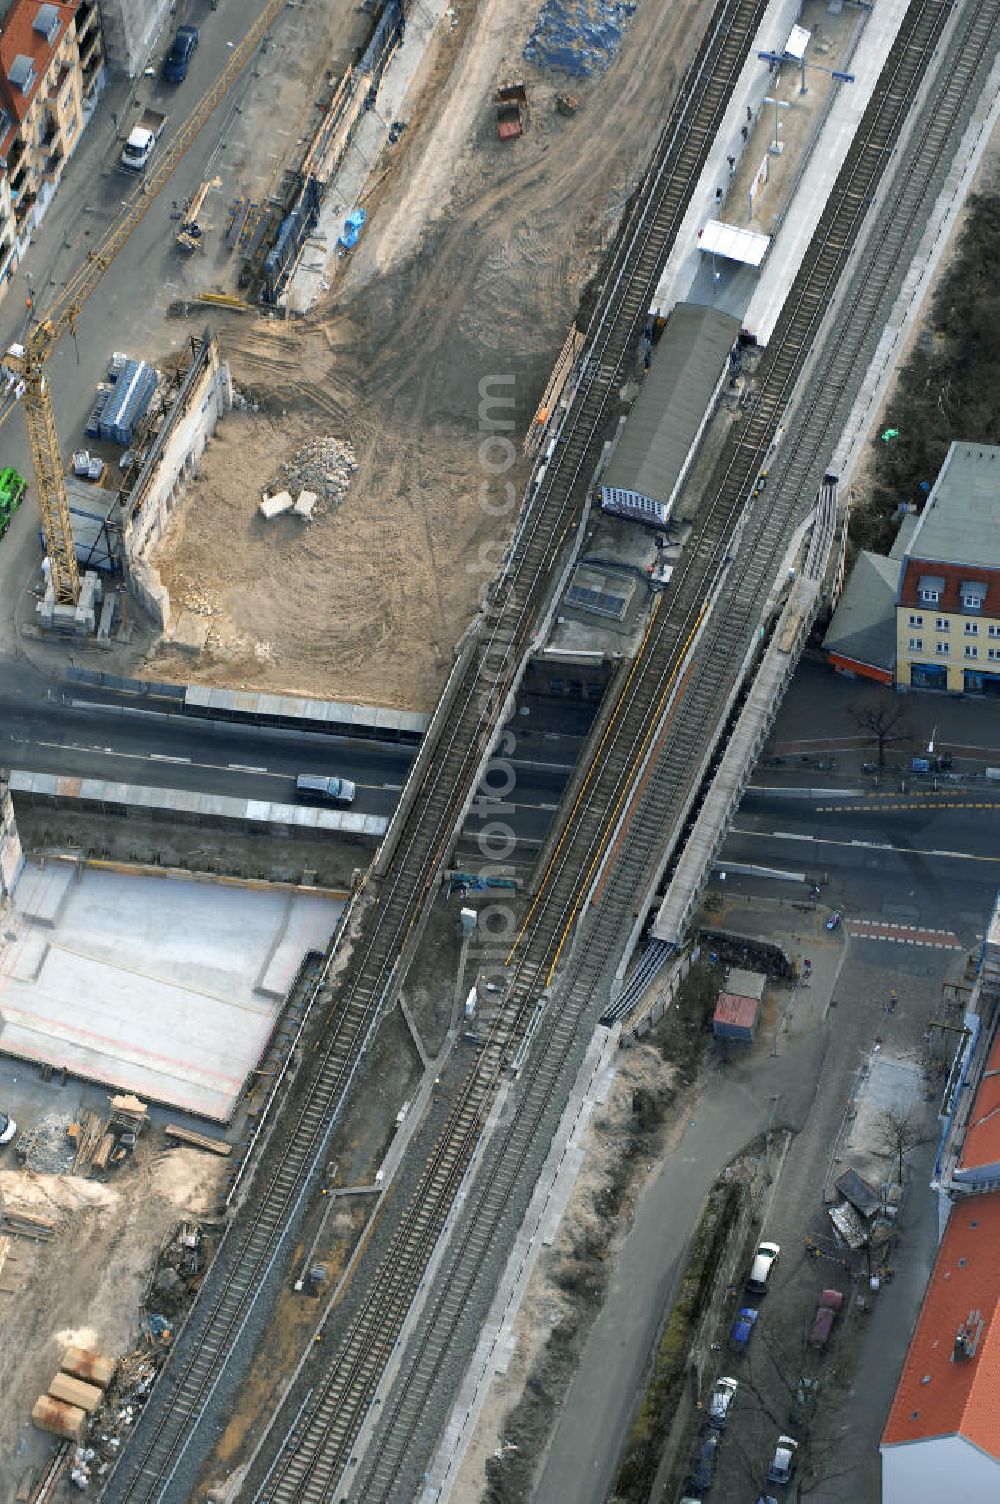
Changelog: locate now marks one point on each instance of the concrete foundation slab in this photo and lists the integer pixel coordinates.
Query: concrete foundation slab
(164, 987)
(43, 891)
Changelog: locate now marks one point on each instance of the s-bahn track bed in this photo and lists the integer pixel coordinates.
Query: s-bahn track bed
(318, 1446)
(156, 1465)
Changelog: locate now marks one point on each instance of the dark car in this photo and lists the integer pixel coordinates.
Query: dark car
(827, 1308)
(315, 790)
(746, 1320)
(182, 50)
(703, 1473)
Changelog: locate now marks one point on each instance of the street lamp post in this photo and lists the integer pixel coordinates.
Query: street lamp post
(776, 147)
(777, 58)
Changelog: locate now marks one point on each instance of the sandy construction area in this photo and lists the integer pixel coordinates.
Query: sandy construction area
(475, 258)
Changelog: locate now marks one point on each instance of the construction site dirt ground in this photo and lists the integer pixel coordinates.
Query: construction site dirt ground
(473, 263)
(86, 1284)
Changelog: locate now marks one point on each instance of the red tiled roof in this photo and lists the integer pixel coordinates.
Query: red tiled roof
(733, 1009)
(863, 670)
(19, 37)
(939, 1395)
(982, 1137)
(953, 576)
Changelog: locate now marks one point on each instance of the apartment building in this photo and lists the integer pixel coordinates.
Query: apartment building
(948, 600)
(51, 72)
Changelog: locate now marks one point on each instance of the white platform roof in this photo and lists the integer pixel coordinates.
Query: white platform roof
(798, 41)
(734, 243)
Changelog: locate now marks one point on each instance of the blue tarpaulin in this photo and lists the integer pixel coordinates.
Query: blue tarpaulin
(580, 37)
(351, 232)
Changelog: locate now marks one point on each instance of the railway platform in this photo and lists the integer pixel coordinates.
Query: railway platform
(815, 145)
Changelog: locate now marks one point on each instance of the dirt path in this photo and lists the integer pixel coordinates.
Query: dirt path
(473, 268)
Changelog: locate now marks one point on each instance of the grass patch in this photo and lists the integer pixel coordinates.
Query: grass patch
(667, 1380)
(946, 389)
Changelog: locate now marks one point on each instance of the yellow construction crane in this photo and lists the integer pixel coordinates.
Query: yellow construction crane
(26, 362)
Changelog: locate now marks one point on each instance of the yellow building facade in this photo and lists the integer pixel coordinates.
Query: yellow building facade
(948, 600)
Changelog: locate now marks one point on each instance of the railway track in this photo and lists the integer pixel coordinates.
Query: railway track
(318, 1445)
(254, 1246)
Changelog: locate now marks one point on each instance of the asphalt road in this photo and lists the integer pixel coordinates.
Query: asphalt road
(48, 726)
(917, 858)
(798, 1076)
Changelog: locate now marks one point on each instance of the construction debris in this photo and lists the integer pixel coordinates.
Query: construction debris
(273, 506)
(46, 1147)
(27, 1224)
(190, 236)
(59, 1419)
(323, 468)
(87, 1138)
(84, 1363)
(567, 104)
(76, 1392)
(198, 1140)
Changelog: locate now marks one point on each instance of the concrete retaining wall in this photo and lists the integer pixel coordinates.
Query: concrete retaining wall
(187, 807)
(205, 395)
(666, 996)
(11, 857)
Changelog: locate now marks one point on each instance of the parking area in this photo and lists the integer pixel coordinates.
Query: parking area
(804, 1337)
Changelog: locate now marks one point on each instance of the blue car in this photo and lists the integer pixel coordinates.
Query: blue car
(182, 50)
(703, 1474)
(746, 1320)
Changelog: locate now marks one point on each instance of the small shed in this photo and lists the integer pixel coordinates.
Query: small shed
(746, 983)
(736, 1017)
(855, 1189)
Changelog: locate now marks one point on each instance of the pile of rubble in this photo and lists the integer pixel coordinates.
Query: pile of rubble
(324, 466)
(93, 1402)
(46, 1149)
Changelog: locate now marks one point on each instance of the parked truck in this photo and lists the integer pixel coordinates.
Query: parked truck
(142, 139)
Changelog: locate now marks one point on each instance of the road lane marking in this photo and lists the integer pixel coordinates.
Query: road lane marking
(777, 835)
(903, 934)
(241, 767)
(164, 757)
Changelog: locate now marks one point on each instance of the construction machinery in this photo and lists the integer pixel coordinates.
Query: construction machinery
(191, 234)
(512, 108)
(24, 364)
(12, 489)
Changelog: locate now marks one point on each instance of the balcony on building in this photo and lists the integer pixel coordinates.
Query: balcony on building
(87, 13)
(91, 54)
(18, 183)
(49, 131)
(54, 162)
(23, 207)
(15, 154)
(88, 23)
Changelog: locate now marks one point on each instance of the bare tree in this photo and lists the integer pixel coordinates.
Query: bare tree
(899, 1132)
(882, 718)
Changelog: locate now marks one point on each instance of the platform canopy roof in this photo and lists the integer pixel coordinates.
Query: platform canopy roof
(734, 243)
(798, 41)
